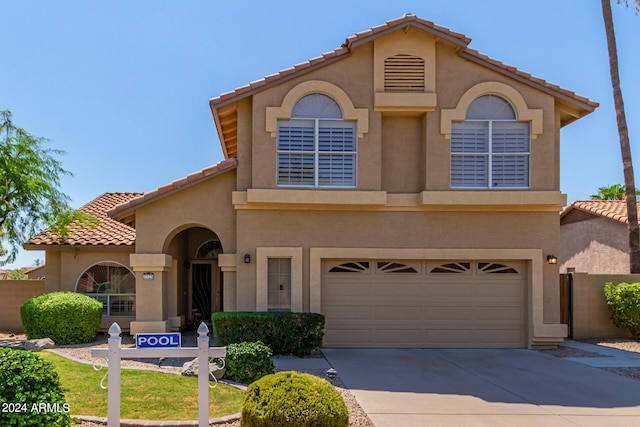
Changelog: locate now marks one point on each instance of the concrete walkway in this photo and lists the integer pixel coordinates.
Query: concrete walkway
(420, 387)
(610, 357)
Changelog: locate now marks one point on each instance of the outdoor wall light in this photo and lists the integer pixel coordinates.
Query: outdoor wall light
(247, 258)
(187, 265)
(552, 259)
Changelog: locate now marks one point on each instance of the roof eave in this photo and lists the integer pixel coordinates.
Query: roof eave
(159, 193)
(586, 106)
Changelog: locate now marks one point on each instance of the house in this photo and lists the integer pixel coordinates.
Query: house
(594, 237)
(36, 273)
(404, 185)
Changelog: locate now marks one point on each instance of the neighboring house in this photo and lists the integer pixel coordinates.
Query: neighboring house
(36, 273)
(594, 237)
(404, 185)
(4, 275)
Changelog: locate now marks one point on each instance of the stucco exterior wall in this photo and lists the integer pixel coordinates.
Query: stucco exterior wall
(591, 316)
(595, 246)
(14, 294)
(365, 229)
(207, 205)
(64, 268)
(354, 75)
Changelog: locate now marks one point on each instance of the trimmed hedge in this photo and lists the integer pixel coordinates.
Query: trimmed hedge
(291, 399)
(65, 317)
(624, 301)
(247, 362)
(25, 381)
(285, 333)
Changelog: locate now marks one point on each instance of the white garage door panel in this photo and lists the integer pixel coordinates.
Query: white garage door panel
(463, 304)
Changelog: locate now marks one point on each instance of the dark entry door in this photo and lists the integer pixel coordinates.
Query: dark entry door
(206, 289)
(201, 291)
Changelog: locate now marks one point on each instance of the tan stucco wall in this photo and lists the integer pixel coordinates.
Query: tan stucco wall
(64, 268)
(207, 205)
(591, 316)
(14, 294)
(454, 77)
(596, 246)
(436, 230)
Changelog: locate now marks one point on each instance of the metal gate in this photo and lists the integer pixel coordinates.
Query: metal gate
(566, 301)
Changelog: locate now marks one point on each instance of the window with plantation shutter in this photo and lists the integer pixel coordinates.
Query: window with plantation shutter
(490, 149)
(316, 147)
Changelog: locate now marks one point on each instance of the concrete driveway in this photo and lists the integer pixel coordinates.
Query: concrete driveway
(419, 387)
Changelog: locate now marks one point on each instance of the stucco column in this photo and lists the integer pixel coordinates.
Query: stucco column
(151, 292)
(229, 266)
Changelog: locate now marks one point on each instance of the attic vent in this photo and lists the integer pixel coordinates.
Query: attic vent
(404, 73)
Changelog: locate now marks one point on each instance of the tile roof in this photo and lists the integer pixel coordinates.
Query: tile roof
(109, 233)
(389, 26)
(612, 209)
(142, 199)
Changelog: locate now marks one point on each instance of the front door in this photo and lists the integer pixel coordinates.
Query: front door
(206, 290)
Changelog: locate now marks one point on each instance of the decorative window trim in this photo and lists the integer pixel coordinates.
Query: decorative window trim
(394, 267)
(523, 113)
(351, 267)
(262, 271)
(350, 113)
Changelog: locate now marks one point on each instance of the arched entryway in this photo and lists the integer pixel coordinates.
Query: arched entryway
(198, 278)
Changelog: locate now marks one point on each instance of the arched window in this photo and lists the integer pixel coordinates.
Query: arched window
(113, 284)
(316, 147)
(490, 149)
(209, 250)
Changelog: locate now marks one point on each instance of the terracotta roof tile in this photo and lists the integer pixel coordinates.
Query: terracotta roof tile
(108, 233)
(368, 35)
(612, 209)
(150, 196)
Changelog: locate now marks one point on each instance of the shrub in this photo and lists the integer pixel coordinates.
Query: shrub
(25, 381)
(248, 361)
(624, 301)
(295, 333)
(292, 399)
(65, 317)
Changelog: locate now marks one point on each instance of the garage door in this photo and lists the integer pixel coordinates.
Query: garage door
(448, 304)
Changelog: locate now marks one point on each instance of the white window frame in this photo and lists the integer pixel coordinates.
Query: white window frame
(262, 273)
(489, 154)
(317, 153)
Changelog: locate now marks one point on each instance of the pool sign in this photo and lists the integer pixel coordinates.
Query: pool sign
(159, 340)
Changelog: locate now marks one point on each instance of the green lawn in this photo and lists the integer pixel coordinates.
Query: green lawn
(145, 395)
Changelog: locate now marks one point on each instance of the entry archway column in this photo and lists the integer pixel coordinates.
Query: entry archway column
(151, 292)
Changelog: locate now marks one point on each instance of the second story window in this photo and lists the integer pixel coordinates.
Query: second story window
(490, 149)
(316, 148)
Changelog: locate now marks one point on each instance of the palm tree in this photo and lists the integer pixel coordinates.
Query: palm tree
(623, 131)
(612, 192)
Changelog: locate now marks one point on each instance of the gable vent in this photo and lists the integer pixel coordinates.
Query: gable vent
(404, 73)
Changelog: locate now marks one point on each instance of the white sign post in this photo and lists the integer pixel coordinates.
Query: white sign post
(115, 353)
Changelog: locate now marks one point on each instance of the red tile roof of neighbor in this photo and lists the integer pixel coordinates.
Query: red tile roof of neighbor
(108, 233)
(390, 26)
(612, 209)
(179, 184)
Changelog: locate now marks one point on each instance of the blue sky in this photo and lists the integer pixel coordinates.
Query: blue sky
(123, 86)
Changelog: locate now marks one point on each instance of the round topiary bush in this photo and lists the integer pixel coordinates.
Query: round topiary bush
(291, 399)
(65, 317)
(30, 391)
